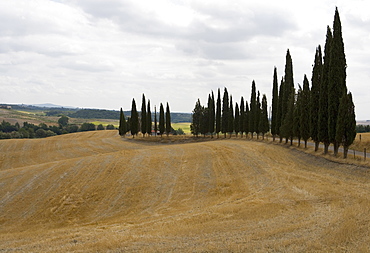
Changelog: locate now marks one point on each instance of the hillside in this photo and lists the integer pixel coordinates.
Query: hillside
(95, 191)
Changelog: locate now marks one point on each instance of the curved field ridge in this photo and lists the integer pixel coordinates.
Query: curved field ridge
(98, 192)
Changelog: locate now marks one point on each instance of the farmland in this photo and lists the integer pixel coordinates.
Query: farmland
(96, 191)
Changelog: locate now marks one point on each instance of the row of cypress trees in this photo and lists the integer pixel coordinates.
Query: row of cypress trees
(144, 123)
(325, 112)
(219, 117)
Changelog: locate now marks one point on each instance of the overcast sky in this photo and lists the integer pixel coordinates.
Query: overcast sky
(103, 53)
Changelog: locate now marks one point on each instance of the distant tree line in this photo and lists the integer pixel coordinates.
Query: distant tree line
(325, 113)
(143, 122)
(362, 129)
(29, 130)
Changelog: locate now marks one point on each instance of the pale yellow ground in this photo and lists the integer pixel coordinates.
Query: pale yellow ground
(98, 192)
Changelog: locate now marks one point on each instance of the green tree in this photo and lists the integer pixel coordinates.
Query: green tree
(237, 120)
(148, 120)
(63, 121)
(337, 79)
(161, 120)
(315, 97)
(297, 115)
(225, 113)
(257, 115)
(242, 116)
(122, 129)
(212, 111)
(134, 119)
(231, 118)
(288, 85)
(275, 105)
(143, 116)
(323, 100)
(264, 121)
(253, 110)
(246, 119)
(287, 126)
(280, 113)
(305, 112)
(168, 120)
(155, 121)
(218, 113)
(195, 126)
(346, 125)
(100, 127)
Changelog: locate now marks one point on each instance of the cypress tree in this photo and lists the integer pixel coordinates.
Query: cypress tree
(155, 121)
(134, 119)
(143, 116)
(162, 128)
(264, 121)
(323, 100)
(305, 111)
(257, 115)
(315, 97)
(168, 120)
(204, 123)
(297, 116)
(242, 116)
(231, 117)
(287, 126)
(280, 113)
(253, 110)
(212, 112)
(148, 119)
(337, 78)
(218, 113)
(225, 113)
(346, 125)
(246, 119)
(122, 129)
(288, 81)
(275, 105)
(196, 119)
(237, 120)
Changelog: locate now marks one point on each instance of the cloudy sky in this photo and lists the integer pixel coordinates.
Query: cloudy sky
(103, 53)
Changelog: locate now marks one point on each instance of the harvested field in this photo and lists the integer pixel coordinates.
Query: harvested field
(98, 192)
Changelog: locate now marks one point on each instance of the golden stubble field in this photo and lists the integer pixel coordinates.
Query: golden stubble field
(98, 192)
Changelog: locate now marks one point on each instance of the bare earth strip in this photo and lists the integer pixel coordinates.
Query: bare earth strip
(98, 192)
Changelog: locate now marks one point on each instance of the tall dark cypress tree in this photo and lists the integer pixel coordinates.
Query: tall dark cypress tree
(242, 116)
(155, 121)
(253, 110)
(212, 115)
(288, 123)
(231, 118)
(246, 119)
(280, 113)
(122, 129)
(275, 104)
(195, 126)
(162, 127)
(288, 82)
(346, 125)
(305, 112)
(134, 119)
(225, 113)
(264, 121)
(143, 116)
(323, 100)
(237, 120)
(297, 115)
(337, 78)
(315, 97)
(218, 113)
(168, 120)
(257, 115)
(148, 119)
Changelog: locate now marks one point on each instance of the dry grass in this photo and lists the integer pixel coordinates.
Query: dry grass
(97, 192)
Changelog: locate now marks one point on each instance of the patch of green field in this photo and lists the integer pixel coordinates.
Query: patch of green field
(185, 126)
(105, 123)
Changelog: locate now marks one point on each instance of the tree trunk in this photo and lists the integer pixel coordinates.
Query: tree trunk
(305, 143)
(299, 142)
(291, 141)
(316, 145)
(281, 139)
(326, 147)
(345, 152)
(336, 147)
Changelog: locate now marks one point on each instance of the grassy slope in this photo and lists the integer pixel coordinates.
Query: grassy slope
(95, 191)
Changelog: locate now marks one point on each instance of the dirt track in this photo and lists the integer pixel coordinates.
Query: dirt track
(98, 192)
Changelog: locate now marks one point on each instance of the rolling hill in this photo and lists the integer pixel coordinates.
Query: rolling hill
(98, 192)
